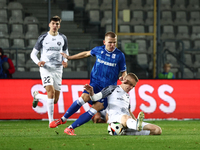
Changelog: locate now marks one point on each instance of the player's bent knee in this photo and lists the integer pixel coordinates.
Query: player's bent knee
(156, 130)
(98, 106)
(159, 131)
(85, 97)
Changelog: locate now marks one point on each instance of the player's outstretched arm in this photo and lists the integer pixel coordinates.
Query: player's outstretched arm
(77, 56)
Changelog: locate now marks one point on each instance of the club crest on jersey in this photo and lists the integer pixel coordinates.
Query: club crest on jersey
(101, 52)
(113, 56)
(58, 43)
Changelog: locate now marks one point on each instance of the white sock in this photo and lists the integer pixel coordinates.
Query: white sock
(63, 119)
(81, 101)
(135, 132)
(143, 132)
(92, 111)
(41, 96)
(50, 109)
(131, 124)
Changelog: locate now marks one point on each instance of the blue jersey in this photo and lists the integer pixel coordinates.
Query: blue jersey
(107, 67)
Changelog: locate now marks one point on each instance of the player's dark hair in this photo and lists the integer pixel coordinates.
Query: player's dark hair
(132, 75)
(55, 18)
(111, 34)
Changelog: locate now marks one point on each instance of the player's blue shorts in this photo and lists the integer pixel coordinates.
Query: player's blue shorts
(97, 89)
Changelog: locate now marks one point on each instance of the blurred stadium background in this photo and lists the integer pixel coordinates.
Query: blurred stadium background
(150, 33)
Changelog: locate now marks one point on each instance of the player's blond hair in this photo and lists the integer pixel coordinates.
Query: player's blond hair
(132, 75)
(110, 34)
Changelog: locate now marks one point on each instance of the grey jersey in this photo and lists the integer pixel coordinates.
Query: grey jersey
(118, 100)
(50, 48)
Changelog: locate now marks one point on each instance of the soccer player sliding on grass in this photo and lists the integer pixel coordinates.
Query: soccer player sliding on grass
(118, 108)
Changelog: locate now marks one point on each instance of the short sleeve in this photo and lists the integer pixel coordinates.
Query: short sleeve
(122, 64)
(65, 46)
(38, 44)
(93, 52)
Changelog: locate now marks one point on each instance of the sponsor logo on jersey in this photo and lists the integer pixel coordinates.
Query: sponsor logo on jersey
(106, 63)
(58, 43)
(121, 99)
(108, 55)
(53, 49)
(113, 56)
(53, 39)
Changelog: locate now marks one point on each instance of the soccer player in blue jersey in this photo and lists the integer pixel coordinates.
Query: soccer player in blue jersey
(110, 62)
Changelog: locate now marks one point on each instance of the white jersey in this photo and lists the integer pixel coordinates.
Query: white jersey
(50, 48)
(118, 100)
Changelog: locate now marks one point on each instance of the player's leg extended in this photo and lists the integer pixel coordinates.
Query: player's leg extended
(84, 118)
(148, 129)
(82, 100)
(48, 98)
(88, 115)
(50, 102)
(71, 110)
(154, 129)
(57, 95)
(76, 105)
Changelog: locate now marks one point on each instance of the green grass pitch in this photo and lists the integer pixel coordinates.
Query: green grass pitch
(35, 135)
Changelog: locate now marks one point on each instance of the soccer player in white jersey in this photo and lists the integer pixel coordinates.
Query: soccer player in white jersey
(51, 64)
(118, 108)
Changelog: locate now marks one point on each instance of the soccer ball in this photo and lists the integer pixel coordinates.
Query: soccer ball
(115, 128)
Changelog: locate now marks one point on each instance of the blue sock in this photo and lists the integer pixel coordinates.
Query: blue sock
(73, 108)
(84, 118)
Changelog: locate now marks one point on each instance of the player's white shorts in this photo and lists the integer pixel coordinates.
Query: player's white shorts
(117, 118)
(51, 77)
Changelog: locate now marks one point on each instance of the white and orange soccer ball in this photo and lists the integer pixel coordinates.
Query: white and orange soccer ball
(115, 128)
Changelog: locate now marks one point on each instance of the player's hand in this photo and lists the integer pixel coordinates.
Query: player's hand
(41, 63)
(125, 81)
(121, 78)
(65, 55)
(89, 89)
(65, 64)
